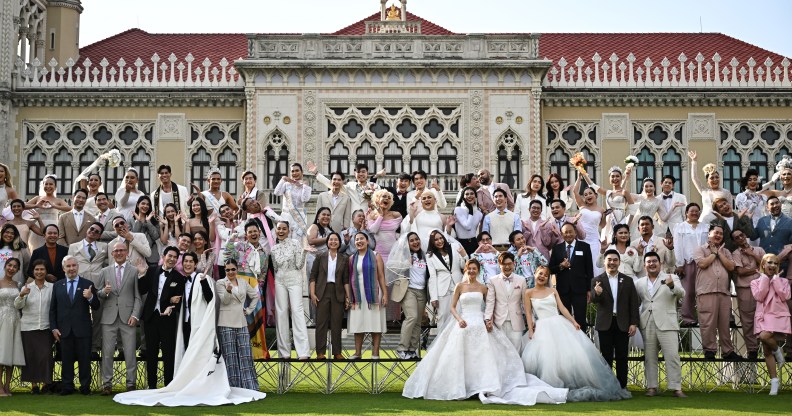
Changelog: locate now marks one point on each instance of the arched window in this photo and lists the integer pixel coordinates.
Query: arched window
(113, 178)
(644, 169)
(88, 157)
(559, 163)
(140, 161)
(509, 167)
(672, 165)
(447, 159)
(591, 168)
(339, 158)
(228, 170)
(758, 160)
(200, 165)
(731, 171)
(36, 170)
(64, 172)
(277, 166)
(393, 159)
(420, 158)
(366, 153)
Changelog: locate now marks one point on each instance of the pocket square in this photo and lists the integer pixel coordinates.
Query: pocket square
(173, 284)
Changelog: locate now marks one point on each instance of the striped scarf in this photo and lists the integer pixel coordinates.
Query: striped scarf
(369, 279)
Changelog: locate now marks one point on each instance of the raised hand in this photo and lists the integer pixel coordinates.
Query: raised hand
(87, 293)
(311, 166)
(692, 155)
(141, 266)
(107, 289)
(435, 185)
(25, 291)
(597, 288)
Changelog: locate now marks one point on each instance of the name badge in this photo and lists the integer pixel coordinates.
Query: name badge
(578, 253)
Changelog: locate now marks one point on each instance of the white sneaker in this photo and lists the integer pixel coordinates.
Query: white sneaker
(403, 355)
(779, 356)
(773, 386)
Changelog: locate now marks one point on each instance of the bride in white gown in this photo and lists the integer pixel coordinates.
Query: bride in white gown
(465, 359)
(558, 352)
(200, 378)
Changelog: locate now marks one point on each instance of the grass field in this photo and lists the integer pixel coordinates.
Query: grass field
(717, 403)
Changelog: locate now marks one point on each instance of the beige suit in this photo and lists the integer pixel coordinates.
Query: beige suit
(117, 306)
(341, 213)
(660, 328)
(138, 248)
(106, 220)
(504, 306)
(667, 257)
(68, 233)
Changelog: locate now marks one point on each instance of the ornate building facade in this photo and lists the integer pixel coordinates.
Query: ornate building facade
(393, 90)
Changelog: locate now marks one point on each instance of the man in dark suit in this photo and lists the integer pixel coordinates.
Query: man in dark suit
(729, 221)
(774, 230)
(52, 253)
(165, 288)
(70, 320)
(400, 192)
(570, 262)
(617, 313)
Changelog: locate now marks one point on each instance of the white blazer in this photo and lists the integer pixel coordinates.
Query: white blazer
(441, 280)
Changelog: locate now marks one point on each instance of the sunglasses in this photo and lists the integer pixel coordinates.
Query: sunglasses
(118, 224)
(230, 270)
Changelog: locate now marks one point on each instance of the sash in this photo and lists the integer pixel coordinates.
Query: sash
(212, 200)
(256, 320)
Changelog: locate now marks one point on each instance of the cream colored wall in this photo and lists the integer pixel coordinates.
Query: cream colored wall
(65, 23)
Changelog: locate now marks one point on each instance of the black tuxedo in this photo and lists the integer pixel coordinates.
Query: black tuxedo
(72, 317)
(399, 201)
(613, 330)
(53, 269)
(573, 284)
(160, 330)
(206, 291)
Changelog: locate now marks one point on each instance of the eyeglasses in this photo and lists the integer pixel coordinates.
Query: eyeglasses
(118, 224)
(230, 270)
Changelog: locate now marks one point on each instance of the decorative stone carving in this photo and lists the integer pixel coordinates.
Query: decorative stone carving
(171, 127)
(614, 126)
(701, 126)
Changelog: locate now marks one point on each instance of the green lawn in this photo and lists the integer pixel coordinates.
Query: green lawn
(717, 403)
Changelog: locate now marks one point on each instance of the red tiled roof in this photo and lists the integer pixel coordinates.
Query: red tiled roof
(136, 43)
(655, 46)
(427, 27)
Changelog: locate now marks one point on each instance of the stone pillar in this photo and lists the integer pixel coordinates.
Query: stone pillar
(382, 10)
(404, 10)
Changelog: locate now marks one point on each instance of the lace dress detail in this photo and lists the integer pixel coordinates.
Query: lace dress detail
(288, 258)
(11, 352)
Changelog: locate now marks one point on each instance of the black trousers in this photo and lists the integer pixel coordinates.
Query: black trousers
(576, 305)
(329, 315)
(76, 349)
(160, 334)
(614, 343)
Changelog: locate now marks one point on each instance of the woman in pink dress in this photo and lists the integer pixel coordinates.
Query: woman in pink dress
(382, 223)
(772, 314)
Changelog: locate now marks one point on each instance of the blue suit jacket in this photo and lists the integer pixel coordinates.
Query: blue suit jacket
(72, 317)
(774, 241)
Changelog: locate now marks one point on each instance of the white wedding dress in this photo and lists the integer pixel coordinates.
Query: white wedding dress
(200, 377)
(565, 357)
(463, 362)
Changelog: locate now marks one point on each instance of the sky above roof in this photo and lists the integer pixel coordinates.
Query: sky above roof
(763, 23)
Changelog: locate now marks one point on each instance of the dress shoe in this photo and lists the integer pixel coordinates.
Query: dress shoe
(680, 394)
(753, 355)
(651, 393)
(66, 392)
(106, 391)
(95, 356)
(338, 356)
(733, 356)
(35, 390)
(321, 357)
(85, 392)
(709, 355)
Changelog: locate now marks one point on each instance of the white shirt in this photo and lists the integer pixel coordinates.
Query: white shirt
(614, 284)
(652, 286)
(331, 267)
(417, 273)
(78, 218)
(730, 221)
(162, 279)
(188, 284)
(687, 240)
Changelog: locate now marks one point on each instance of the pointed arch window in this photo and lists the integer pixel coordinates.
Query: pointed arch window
(36, 170)
(509, 166)
(447, 159)
(559, 163)
(758, 160)
(644, 169)
(419, 156)
(200, 165)
(140, 161)
(277, 165)
(672, 165)
(393, 159)
(366, 153)
(732, 170)
(339, 158)
(88, 157)
(591, 161)
(64, 172)
(228, 169)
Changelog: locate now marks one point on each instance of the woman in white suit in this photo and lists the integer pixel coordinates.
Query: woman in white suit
(445, 271)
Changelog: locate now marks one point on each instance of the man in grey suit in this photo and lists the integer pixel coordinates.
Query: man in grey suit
(121, 306)
(659, 293)
(73, 225)
(91, 256)
(106, 216)
(339, 203)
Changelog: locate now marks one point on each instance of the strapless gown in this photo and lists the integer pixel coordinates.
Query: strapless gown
(463, 362)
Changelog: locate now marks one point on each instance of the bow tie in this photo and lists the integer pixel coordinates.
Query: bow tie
(189, 278)
(668, 196)
(507, 279)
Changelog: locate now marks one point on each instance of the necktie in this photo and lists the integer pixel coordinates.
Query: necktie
(71, 289)
(102, 218)
(569, 253)
(91, 252)
(78, 219)
(118, 276)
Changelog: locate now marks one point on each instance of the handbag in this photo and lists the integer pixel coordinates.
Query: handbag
(399, 289)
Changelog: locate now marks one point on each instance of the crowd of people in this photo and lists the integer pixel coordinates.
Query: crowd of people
(194, 277)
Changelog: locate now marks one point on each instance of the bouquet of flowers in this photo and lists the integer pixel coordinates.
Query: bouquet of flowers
(579, 162)
(631, 161)
(113, 158)
(368, 192)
